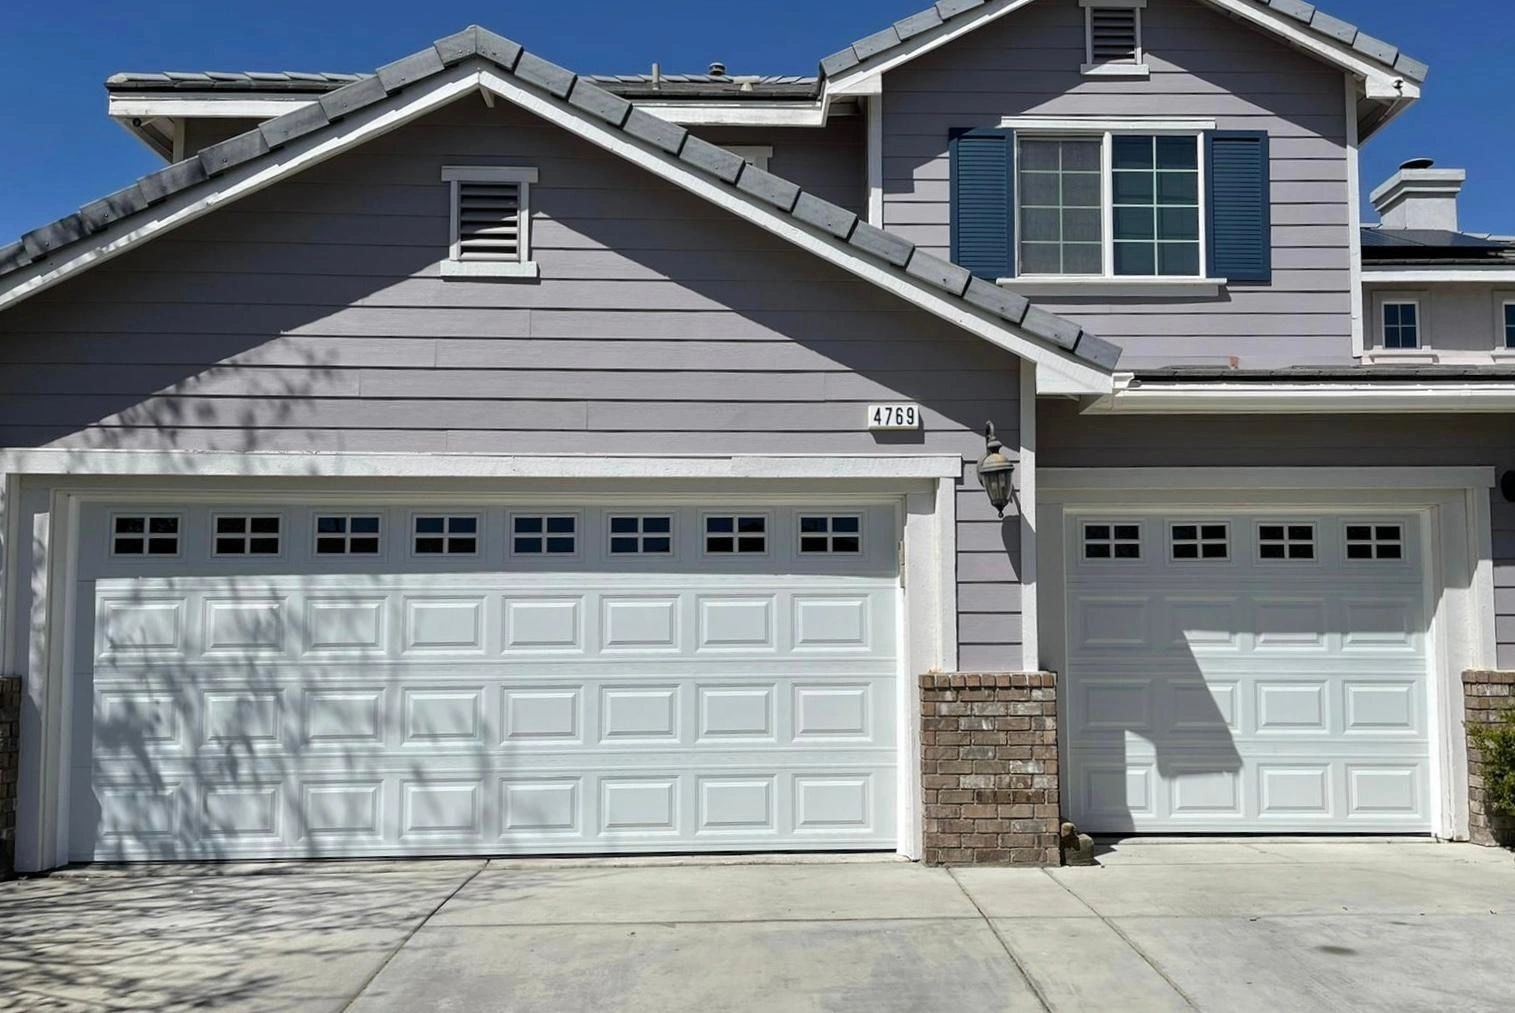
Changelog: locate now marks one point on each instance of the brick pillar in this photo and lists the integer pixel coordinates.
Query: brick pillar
(10, 745)
(989, 768)
(1487, 698)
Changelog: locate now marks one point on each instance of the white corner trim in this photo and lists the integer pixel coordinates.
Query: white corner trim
(248, 179)
(825, 246)
(1026, 472)
(875, 113)
(1065, 483)
(216, 464)
(1354, 217)
(1115, 286)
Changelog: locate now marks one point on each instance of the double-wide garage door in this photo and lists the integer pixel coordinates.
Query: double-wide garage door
(296, 679)
(1247, 672)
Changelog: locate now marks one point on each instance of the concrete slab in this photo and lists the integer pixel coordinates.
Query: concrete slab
(1251, 890)
(251, 942)
(805, 967)
(590, 895)
(1121, 853)
(1084, 964)
(1333, 963)
(1373, 853)
(1019, 893)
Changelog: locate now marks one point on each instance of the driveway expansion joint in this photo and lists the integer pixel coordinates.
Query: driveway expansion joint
(1004, 943)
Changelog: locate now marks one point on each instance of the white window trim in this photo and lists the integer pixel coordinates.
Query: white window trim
(347, 534)
(1504, 341)
(1286, 542)
(1199, 541)
(1108, 282)
(249, 515)
(453, 176)
(1137, 68)
(147, 518)
(511, 534)
(1112, 522)
(641, 535)
(1424, 350)
(830, 534)
(754, 154)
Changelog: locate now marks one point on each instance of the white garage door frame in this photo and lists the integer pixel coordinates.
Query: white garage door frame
(1456, 529)
(43, 492)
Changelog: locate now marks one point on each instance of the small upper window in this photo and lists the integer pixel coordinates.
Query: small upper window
(552, 535)
(1401, 325)
(1286, 541)
(145, 535)
(446, 536)
(641, 536)
(1112, 541)
(347, 535)
(1210, 542)
(243, 535)
(726, 534)
(1375, 541)
(491, 222)
(1113, 37)
(831, 534)
(1509, 325)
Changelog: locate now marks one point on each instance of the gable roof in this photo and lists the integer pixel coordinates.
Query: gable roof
(951, 15)
(261, 156)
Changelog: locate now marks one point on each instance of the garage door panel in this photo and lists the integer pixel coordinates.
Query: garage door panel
(395, 712)
(1248, 692)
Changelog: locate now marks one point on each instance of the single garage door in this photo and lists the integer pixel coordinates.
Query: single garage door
(265, 679)
(1247, 672)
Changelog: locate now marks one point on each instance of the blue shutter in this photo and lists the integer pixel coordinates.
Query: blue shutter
(1240, 206)
(983, 202)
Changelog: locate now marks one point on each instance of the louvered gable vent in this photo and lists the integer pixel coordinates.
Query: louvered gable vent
(489, 221)
(1112, 35)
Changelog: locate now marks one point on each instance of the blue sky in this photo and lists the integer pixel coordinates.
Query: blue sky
(54, 57)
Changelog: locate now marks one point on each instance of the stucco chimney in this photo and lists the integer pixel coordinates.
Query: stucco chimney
(1420, 196)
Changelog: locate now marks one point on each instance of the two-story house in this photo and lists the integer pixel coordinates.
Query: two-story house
(478, 457)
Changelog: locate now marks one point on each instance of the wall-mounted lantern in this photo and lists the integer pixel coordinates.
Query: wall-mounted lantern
(994, 470)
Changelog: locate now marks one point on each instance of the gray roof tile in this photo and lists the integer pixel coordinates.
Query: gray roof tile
(876, 43)
(358, 92)
(915, 24)
(1412, 68)
(1296, 9)
(1336, 28)
(1375, 49)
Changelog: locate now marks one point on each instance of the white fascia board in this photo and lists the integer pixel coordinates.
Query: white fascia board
(1355, 397)
(865, 80)
(189, 105)
(236, 184)
(1089, 379)
(740, 114)
(1501, 275)
(294, 464)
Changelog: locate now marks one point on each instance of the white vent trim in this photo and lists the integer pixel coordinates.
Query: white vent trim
(1113, 38)
(492, 184)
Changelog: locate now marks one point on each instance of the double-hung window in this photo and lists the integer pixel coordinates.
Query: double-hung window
(1507, 318)
(1117, 205)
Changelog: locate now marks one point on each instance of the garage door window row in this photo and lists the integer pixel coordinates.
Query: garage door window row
(1200, 541)
(363, 534)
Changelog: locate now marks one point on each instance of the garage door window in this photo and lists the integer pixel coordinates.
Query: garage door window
(1190, 542)
(244, 535)
(632, 535)
(1375, 541)
(145, 535)
(1285, 542)
(446, 536)
(1112, 540)
(831, 534)
(538, 534)
(736, 535)
(347, 535)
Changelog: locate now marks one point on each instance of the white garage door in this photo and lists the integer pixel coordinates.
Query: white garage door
(1247, 672)
(349, 679)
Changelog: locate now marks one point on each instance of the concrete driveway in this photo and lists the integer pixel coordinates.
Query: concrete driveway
(1161, 926)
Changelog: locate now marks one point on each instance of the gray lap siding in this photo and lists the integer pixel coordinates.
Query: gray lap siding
(1069, 440)
(312, 316)
(1203, 66)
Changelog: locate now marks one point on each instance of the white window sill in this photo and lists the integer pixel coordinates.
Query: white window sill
(1115, 286)
(489, 269)
(1504, 354)
(1403, 356)
(1128, 70)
